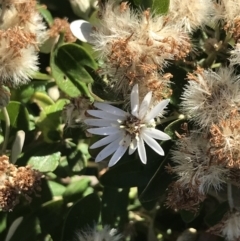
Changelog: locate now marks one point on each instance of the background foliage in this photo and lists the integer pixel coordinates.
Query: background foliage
(76, 192)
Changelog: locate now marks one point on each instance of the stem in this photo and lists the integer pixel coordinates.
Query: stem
(7, 129)
(229, 195)
(170, 118)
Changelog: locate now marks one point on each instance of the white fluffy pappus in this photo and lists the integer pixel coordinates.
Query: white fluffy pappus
(18, 57)
(135, 44)
(25, 15)
(235, 55)
(105, 234)
(191, 14)
(228, 227)
(211, 96)
(193, 164)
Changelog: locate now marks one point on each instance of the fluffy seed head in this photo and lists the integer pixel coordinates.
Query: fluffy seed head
(136, 46)
(228, 227)
(105, 234)
(225, 142)
(190, 14)
(211, 96)
(22, 13)
(194, 166)
(18, 56)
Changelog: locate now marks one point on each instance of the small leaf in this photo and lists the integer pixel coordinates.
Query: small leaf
(50, 216)
(75, 190)
(56, 188)
(45, 14)
(72, 60)
(42, 99)
(160, 6)
(18, 114)
(188, 216)
(24, 227)
(63, 82)
(46, 163)
(174, 127)
(50, 119)
(83, 215)
(40, 76)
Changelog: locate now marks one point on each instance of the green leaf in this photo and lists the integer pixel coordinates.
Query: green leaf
(217, 215)
(72, 59)
(45, 163)
(42, 99)
(57, 189)
(132, 173)
(18, 114)
(24, 227)
(45, 14)
(63, 82)
(83, 215)
(157, 185)
(50, 119)
(173, 127)
(40, 76)
(188, 216)
(50, 215)
(114, 206)
(75, 190)
(160, 6)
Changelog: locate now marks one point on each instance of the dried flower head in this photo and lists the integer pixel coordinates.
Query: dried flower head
(24, 14)
(228, 227)
(105, 234)
(16, 182)
(211, 96)
(190, 14)
(136, 46)
(235, 55)
(61, 26)
(225, 142)
(184, 197)
(18, 56)
(74, 113)
(193, 164)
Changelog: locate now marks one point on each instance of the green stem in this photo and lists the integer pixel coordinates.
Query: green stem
(229, 195)
(171, 118)
(7, 129)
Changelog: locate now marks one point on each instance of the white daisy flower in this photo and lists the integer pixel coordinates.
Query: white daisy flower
(125, 130)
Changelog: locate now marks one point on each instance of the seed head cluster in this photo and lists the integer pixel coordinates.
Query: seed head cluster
(136, 47)
(21, 32)
(16, 182)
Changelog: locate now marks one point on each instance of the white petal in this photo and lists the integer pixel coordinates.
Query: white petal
(134, 100)
(100, 122)
(145, 105)
(104, 141)
(104, 115)
(156, 110)
(132, 147)
(104, 130)
(110, 109)
(81, 30)
(142, 151)
(120, 151)
(153, 144)
(157, 134)
(108, 150)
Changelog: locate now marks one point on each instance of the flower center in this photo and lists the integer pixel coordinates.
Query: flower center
(132, 126)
